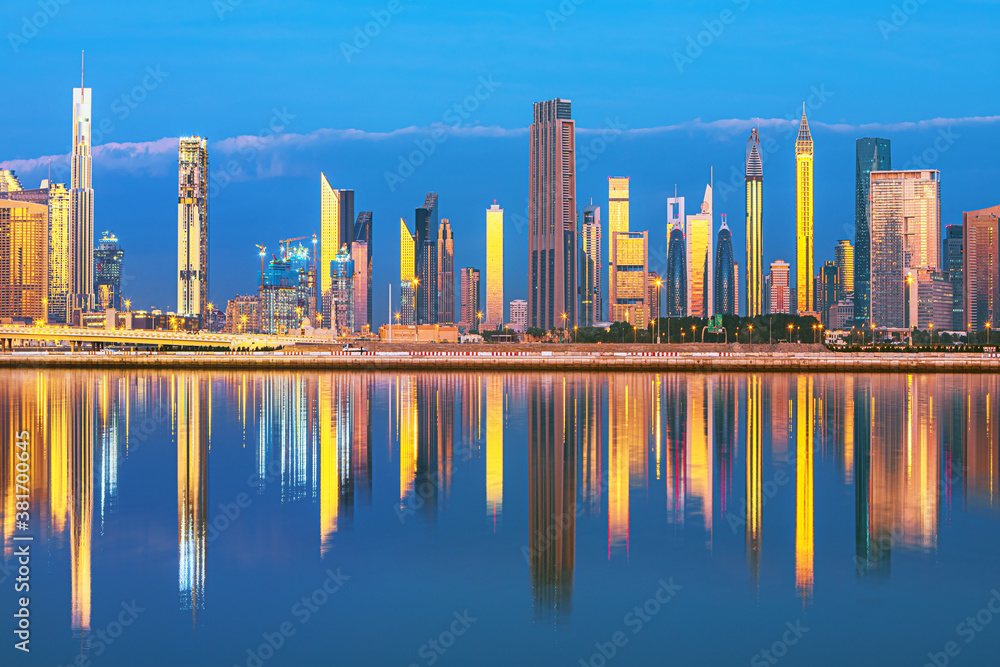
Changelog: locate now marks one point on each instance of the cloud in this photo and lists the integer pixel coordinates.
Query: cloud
(271, 154)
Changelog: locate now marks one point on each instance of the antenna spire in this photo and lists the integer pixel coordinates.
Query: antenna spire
(81, 70)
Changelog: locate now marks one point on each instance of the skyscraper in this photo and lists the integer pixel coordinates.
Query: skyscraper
(981, 289)
(470, 298)
(843, 257)
(590, 266)
(108, 259)
(629, 278)
(336, 229)
(192, 226)
(23, 260)
(829, 290)
(872, 154)
(805, 300)
(494, 267)
(618, 212)
(363, 233)
(361, 288)
(754, 226)
(407, 277)
(279, 298)
(725, 272)
(654, 284)
(952, 261)
(904, 227)
(552, 284)
(81, 195)
(446, 273)
(780, 291)
(699, 260)
(342, 272)
(426, 259)
(677, 291)
(9, 181)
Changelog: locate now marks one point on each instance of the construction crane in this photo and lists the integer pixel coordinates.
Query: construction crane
(263, 251)
(285, 244)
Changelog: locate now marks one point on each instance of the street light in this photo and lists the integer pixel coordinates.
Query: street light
(931, 325)
(575, 335)
(790, 327)
(988, 325)
(872, 325)
(750, 335)
(659, 282)
(479, 320)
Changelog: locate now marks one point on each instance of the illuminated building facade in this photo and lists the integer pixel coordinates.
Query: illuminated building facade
(279, 299)
(81, 193)
(446, 273)
(407, 278)
(726, 295)
(981, 262)
(780, 297)
(336, 229)
(629, 278)
(360, 289)
(805, 299)
(519, 313)
(108, 260)
(192, 226)
(618, 213)
(905, 230)
(952, 261)
(494, 316)
(24, 271)
(654, 286)
(677, 275)
(871, 154)
(426, 260)
(9, 181)
(342, 271)
(829, 290)
(469, 279)
(590, 267)
(843, 257)
(700, 290)
(552, 246)
(754, 191)
(363, 234)
(242, 314)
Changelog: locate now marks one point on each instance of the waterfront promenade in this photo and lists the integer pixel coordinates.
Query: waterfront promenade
(525, 358)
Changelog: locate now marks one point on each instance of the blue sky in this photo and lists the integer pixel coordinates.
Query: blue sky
(920, 73)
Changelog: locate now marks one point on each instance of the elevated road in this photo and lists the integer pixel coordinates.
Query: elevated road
(76, 338)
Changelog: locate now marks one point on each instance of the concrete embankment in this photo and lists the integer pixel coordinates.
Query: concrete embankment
(529, 362)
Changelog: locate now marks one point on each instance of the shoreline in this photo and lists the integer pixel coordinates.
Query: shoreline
(532, 362)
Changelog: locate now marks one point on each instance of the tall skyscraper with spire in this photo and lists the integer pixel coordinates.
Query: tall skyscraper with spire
(754, 226)
(699, 259)
(676, 271)
(446, 273)
(192, 226)
(81, 196)
(618, 217)
(407, 274)
(552, 246)
(872, 154)
(494, 267)
(804, 217)
(725, 272)
(336, 230)
(425, 230)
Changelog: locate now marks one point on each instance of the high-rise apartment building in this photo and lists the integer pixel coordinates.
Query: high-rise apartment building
(843, 257)
(192, 226)
(630, 276)
(699, 260)
(81, 194)
(494, 268)
(829, 290)
(108, 260)
(872, 154)
(952, 261)
(780, 290)
(726, 295)
(342, 272)
(677, 274)
(407, 276)
(9, 182)
(654, 285)
(469, 279)
(590, 267)
(754, 201)
(24, 270)
(336, 229)
(904, 227)
(279, 298)
(243, 314)
(361, 288)
(981, 289)
(618, 212)
(519, 313)
(426, 222)
(552, 247)
(446, 273)
(804, 217)
(363, 234)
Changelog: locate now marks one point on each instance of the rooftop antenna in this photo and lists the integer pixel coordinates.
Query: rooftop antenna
(81, 73)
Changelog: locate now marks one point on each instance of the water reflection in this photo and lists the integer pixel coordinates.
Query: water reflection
(704, 455)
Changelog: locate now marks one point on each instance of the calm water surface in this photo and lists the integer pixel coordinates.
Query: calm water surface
(476, 519)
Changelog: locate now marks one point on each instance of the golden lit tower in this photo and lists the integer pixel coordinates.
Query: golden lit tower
(754, 226)
(23, 259)
(843, 257)
(699, 259)
(618, 199)
(407, 276)
(81, 231)
(336, 230)
(192, 226)
(804, 217)
(494, 268)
